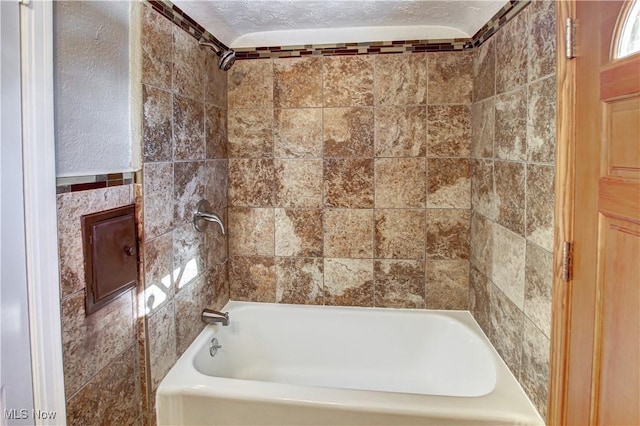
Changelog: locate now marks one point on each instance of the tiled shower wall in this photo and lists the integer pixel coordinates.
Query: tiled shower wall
(99, 351)
(513, 154)
(184, 160)
(349, 180)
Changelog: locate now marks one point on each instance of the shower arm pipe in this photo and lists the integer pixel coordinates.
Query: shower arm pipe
(226, 58)
(215, 47)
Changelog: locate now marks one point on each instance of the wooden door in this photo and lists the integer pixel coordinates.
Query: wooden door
(601, 380)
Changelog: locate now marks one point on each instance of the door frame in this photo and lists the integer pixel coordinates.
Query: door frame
(564, 216)
(564, 212)
(38, 144)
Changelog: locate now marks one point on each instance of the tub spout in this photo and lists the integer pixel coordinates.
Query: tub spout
(210, 317)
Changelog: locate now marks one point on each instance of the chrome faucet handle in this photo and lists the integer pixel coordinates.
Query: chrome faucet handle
(203, 216)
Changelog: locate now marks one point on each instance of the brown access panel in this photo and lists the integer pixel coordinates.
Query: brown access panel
(110, 255)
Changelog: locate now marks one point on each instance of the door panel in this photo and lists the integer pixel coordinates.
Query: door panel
(618, 299)
(622, 127)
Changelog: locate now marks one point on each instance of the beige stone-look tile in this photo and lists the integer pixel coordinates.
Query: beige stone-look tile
(538, 287)
(506, 327)
(481, 246)
(534, 373)
(541, 121)
(450, 78)
(348, 182)
(348, 233)
(448, 234)
(540, 205)
(448, 183)
(215, 241)
(348, 282)
(511, 54)
(483, 117)
(161, 329)
(400, 183)
(400, 131)
(298, 232)
(399, 234)
(482, 188)
(90, 343)
(400, 79)
(216, 136)
(188, 129)
(156, 125)
(188, 189)
(251, 183)
(511, 125)
(189, 305)
(189, 255)
(149, 416)
(348, 81)
(250, 133)
(158, 199)
(484, 71)
(188, 65)
(219, 283)
(297, 82)
(541, 39)
(250, 84)
(298, 183)
(156, 43)
(251, 232)
(158, 269)
(216, 183)
(479, 302)
(510, 195)
(399, 283)
(297, 133)
(299, 281)
(216, 82)
(70, 207)
(252, 279)
(447, 284)
(110, 397)
(509, 264)
(449, 131)
(348, 132)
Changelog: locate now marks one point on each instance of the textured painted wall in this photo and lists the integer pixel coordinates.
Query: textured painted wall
(513, 149)
(184, 160)
(91, 83)
(293, 23)
(349, 180)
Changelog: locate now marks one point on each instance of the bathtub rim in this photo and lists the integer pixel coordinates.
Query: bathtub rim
(506, 403)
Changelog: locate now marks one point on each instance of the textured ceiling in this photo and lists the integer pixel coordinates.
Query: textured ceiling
(259, 23)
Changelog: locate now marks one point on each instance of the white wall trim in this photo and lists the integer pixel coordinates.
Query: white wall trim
(36, 19)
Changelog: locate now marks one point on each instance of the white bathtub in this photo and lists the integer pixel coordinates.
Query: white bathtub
(318, 365)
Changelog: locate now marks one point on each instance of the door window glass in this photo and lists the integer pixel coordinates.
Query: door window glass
(629, 41)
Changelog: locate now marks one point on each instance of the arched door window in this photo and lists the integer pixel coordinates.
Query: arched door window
(628, 42)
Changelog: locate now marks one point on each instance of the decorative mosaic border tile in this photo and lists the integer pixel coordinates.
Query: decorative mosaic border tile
(504, 15)
(500, 19)
(184, 21)
(84, 183)
(368, 48)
